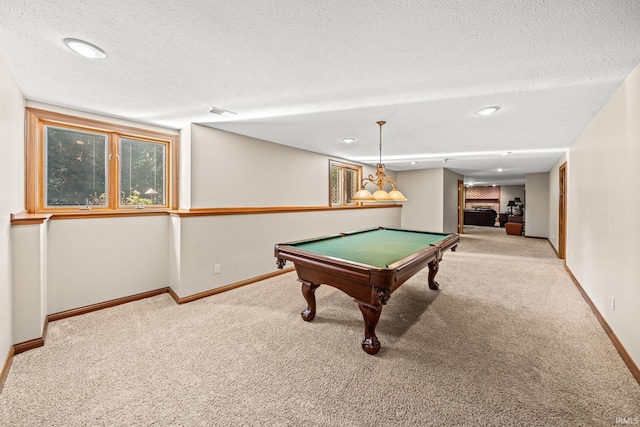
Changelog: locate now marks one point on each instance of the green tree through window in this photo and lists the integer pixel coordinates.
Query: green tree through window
(141, 172)
(76, 167)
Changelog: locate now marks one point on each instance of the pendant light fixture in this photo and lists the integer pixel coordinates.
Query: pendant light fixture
(380, 180)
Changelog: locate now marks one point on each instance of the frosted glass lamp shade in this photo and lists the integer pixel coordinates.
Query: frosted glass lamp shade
(397, 196)
(382, 196)
(363, 196)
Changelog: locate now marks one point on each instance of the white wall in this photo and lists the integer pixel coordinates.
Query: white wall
(99, 259)
(184, 168)
(228, 169)
(432, 203)
(11, 192)
(424, 209)
(510, 192)
(243, 244)
(29, 268)
(97, 117)
(603, 230)
(536, 214)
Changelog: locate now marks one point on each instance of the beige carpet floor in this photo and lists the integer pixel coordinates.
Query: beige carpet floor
(506, 341)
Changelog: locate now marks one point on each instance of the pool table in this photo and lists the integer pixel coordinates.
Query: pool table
(368, 265)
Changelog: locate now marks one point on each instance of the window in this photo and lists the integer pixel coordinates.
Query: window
(345, 182)
(142, 166)
(80, 165)
(76, 167)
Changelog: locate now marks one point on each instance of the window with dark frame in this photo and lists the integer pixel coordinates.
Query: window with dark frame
(345, 181)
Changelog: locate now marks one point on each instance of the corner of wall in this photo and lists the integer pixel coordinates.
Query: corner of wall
(184, 168)
(12, 199)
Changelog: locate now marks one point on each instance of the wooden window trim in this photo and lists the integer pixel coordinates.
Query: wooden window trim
(357, 168)
(37, 119)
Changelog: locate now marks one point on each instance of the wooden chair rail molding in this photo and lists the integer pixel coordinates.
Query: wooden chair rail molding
(269, 210)
(23, 218)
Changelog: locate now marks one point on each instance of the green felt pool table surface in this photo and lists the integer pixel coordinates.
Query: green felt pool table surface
(379, 247)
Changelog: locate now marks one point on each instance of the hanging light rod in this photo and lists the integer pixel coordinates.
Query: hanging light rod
(380, 180)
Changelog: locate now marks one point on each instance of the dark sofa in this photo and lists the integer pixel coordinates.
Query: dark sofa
(480, 217)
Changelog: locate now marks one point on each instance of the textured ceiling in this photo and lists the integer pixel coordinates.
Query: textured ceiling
(307, 74)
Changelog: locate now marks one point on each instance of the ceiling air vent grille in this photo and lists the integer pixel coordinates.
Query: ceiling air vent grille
(221, 112)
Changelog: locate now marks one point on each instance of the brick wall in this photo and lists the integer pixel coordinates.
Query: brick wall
(482, 197)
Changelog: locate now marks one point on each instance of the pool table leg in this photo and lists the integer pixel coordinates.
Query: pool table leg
(309, 293)
(433, 270)
(371, 315)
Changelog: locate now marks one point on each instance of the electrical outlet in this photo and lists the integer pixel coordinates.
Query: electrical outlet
(613, 303)
(216, 269)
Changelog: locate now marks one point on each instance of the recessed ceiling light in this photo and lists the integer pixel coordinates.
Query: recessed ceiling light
(487, 110)
(348, 140)
(500, 169)
(85, 49)
(414, 163)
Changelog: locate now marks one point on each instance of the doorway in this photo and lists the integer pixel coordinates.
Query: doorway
(460, 207)
(562, 212)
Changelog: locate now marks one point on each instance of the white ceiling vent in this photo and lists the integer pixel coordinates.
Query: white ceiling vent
(221, 112)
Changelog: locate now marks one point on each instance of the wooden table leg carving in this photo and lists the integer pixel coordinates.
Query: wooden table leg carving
(309, 293)
(371, 315)
(433, 270)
